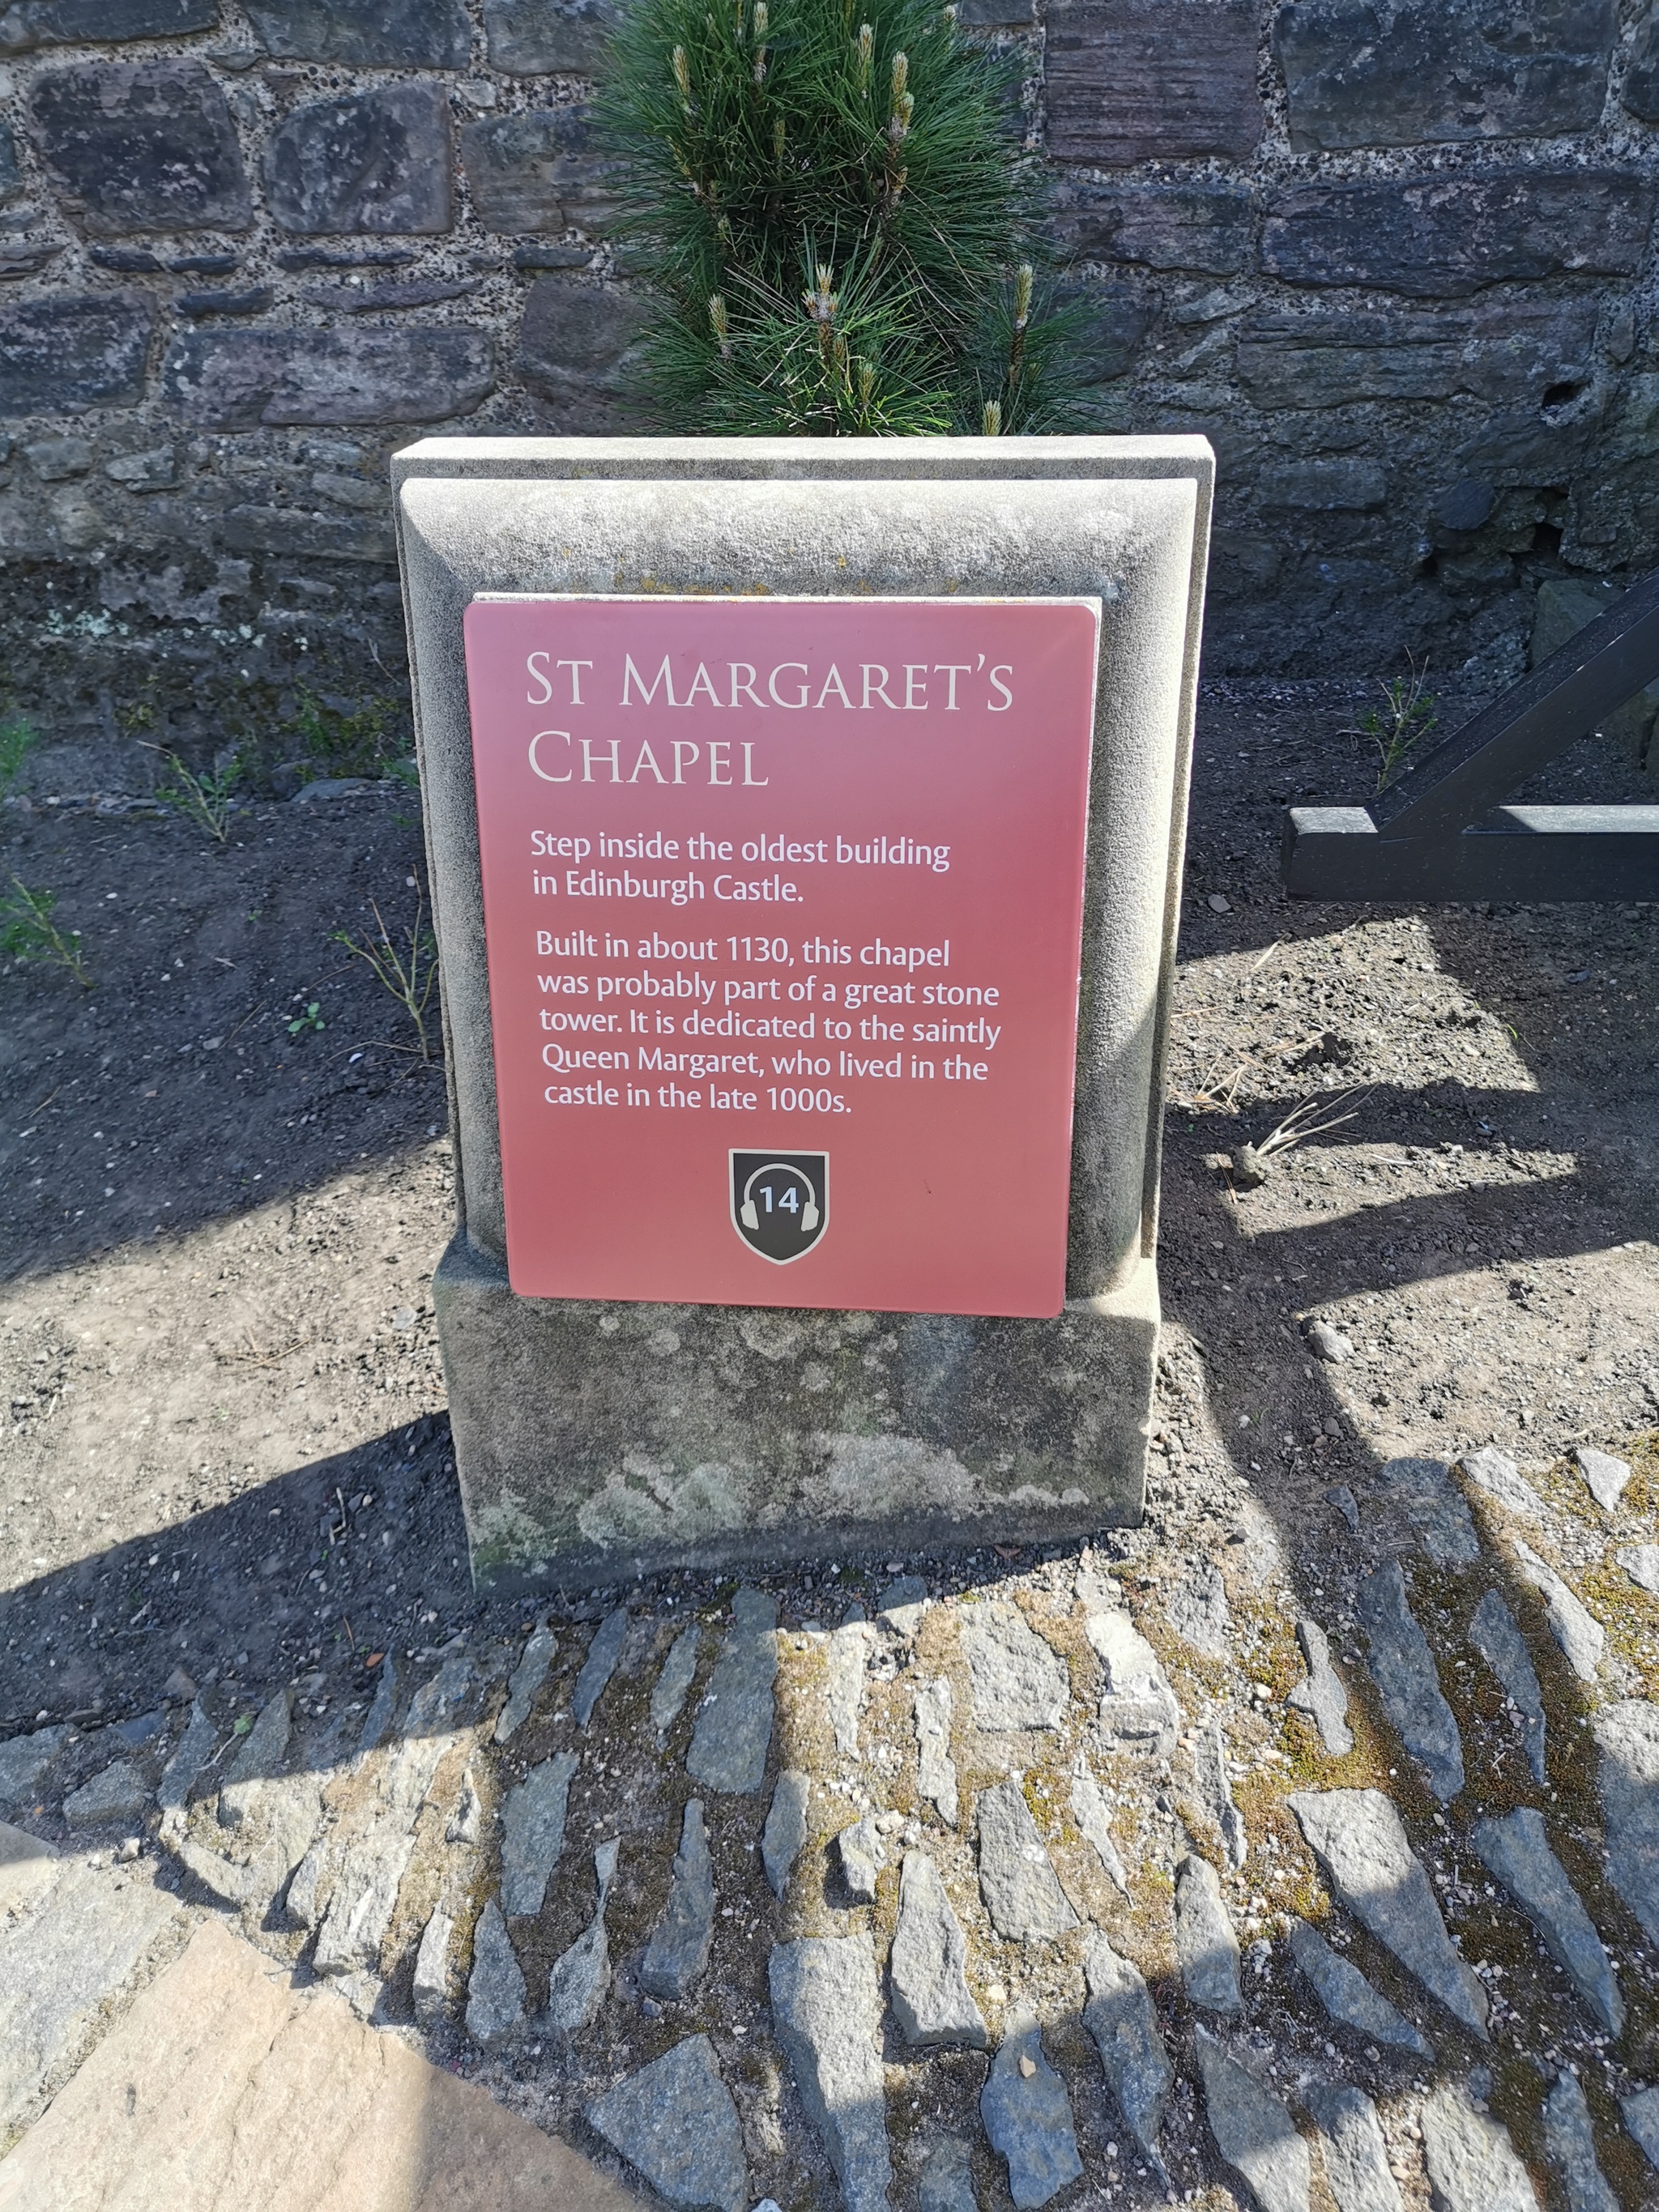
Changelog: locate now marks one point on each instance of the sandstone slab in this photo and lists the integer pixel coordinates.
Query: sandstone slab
(263, 1750)
(119, 1792)
(1497, 1474)
(845, 1660)
(1605, 1477)
(1424, 1493)
(24, 1761)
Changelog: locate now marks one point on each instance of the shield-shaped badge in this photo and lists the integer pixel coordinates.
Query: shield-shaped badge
(779, 1201)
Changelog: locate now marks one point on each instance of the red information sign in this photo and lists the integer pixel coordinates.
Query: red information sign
(783, 905)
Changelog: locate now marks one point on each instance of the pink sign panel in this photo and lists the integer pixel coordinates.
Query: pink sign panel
(783, 908)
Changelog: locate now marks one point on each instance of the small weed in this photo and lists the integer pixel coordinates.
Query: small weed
(360, 740)
(1404, 719)
(203, 799)
(27, 931)
(309, 1022)
(411, 977)
(18, 739)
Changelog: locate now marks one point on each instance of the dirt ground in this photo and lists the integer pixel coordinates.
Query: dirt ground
(226, 1448)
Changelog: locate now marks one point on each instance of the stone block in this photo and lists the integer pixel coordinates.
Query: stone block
(1444, 237)
(1502, 351)
(1112, 321)
(366, 34)
(995, 15)
(1639, 93)
(375, 161)
(577, 339)
(1203, 227)
(1152, 80)
(32, 23)
(59, 356)
(241, 380)
(140, 146)
(536, 170)
(543, 38)
(11, 177)
(1430, 72)
(1325, 487)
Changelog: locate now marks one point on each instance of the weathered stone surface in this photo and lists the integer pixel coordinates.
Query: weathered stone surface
(28, 1866)
(228, 379)
(1322, 1697)
(532, 1832)
(140, 146)
(539, 1652)
(1215, 1789)
(1348, 1997)
(578, 1978)
(848, 1652)
(1472, 2163)
(946, 2183)
(1444, 237)
(826, 2015)
(1580, 1638)
(931, 2001)
(1138, 1708)
(1403, 1669)
(600, 1665)
(373, 161)
(495, 1994)
(1641, 1563)
(1205, 1941)
(1356, 2155)
(31, 23)
(118, 1793)
(537, 169)
(1021, 1890)
(1253, 2133)
(365, 1897)
(365, 33)
(62, 356)
(734, 1721)
(1093, 1815)
(1641, 2114)
(1495, 1472)
(672, 1685)
(674, 2122)
(936, 1772)
(1422, 72)
(1516, 1849)
(1639, 93)
(1142, 80)
(860, 1855)
(1346, 487)
(179, 1775)
(1605, 1477)
(1017, 1680)
(1196, 1608)
(1027, 2114)
(11, 176)
(1570, 2146)
(264, 1749)
(1423, 1488)
(430, 1990)
(902, 1605)
(540, 38)
(1202, 228)
(1627, 1736)
(678, 1949)
(1359, 1840)
(1493, 1632)
(377, 1721)
(1121, 2017)
(785, 1834)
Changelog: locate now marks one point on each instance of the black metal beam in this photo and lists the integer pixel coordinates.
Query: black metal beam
(1596, 854)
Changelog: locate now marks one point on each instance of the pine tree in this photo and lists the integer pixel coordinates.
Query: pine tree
(838, 225)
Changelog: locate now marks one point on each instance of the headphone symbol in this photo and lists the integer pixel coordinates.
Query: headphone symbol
(749, 1213)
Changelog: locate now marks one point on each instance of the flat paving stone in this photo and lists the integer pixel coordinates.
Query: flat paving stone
(678, 1949)
(848, 1654)
(118, 1793)
(1356, 2152)
(673, 1684)
(1569, 2147)
(532, 1832)
(494, 1991)
(28, 1866)
(1497, 1474)
(1628, 1736)
(600, 1665)
(1017, 1680)
(1359, 1840)
(1027, 2114)
(540, 1650)
(430, 1992)
(578, 1980)
(1017, 1880)
(903, 1604)
(1256, 2136)
(1195, 1607)
(1580, 1638)
(1093, 1815)
(928, 1966)
(1121, 2017)
(861, 1856)
(1425, 1493)
(1605, 1477)
(936, 1772)
(1403, 1669)
(1472, 2163)
(1641, 2117)
(263, 1751)
(1516, 1849)
(24, 1763)
(1215, 1789)
(733, 1726)
(1349, 1999)
(826, 2015)
(185, 1769)
(1322, 1696)
(1138, 1712)
(946, 2181)
(675, 2125)
(365, 1898)
(1204, 1943)
(1641, 1563)
(784, 1837)
(1495, 1635)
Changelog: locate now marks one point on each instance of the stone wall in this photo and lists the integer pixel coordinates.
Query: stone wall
(1393, 256)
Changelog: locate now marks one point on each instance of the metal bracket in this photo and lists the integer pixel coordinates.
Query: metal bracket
(1441, 829)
